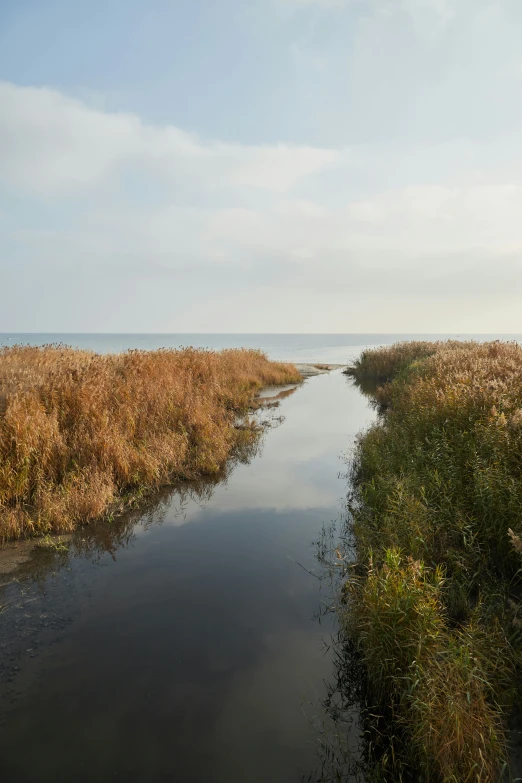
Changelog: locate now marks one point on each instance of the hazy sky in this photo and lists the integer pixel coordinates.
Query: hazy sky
(261, 165)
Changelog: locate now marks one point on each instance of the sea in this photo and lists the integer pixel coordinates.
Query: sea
(299, 348)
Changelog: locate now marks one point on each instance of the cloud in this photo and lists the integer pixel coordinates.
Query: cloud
(115, 224)
(52, 143)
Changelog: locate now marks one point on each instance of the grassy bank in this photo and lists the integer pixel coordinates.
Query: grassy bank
(78, 430)
(435, 599)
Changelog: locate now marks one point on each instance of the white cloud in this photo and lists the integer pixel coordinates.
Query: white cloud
(163, 231)
(52, 143)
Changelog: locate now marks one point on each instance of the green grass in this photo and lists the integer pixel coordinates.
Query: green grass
(437, 516)
(49, 544)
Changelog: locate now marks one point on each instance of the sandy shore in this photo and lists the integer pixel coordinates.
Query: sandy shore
(309, 370)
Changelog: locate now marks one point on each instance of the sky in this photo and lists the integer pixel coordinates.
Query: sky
(261, 166)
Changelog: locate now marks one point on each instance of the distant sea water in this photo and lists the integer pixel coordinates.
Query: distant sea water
(299, 348)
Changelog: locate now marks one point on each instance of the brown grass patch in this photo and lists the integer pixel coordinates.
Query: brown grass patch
(78, 430)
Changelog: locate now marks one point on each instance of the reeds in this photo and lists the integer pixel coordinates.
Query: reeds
(437, 514)
(79, 430)
(382, 365)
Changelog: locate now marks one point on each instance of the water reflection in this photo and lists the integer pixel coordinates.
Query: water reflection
(339, 716)
(179, 642)
(358, 741)
(108, 536)
(20, 618)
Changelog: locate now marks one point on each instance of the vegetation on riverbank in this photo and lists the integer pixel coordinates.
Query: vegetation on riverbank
(79, 431)
(434, 601)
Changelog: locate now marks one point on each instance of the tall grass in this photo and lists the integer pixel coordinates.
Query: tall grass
(382, 365)
(79, 430)
(437, 515)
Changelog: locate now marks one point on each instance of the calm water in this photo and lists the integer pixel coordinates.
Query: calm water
(182, 643)
(334, 348)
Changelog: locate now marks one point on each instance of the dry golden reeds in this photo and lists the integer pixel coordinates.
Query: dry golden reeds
(78, 429)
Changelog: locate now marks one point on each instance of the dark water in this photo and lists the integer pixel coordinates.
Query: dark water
(333, 348)
(181, 643)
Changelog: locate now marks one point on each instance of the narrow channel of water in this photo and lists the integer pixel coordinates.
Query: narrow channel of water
(182, 643)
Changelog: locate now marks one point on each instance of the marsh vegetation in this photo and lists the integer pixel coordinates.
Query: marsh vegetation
(433, 597)
(81, 433)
